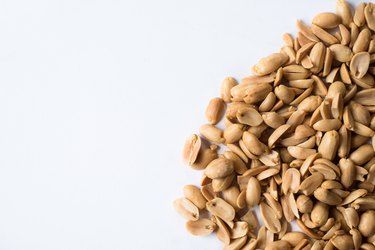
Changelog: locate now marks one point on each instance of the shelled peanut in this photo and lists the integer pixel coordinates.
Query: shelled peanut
(299, 143)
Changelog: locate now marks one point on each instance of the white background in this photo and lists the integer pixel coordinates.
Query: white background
(96, 100)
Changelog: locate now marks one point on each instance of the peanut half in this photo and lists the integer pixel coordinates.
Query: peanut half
(297, 141)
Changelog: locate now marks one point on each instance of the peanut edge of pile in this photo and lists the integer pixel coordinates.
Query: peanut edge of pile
(299, 143)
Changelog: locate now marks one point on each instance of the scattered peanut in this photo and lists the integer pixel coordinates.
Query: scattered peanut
(298, 142)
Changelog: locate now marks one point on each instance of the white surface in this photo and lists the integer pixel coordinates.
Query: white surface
(96, 100)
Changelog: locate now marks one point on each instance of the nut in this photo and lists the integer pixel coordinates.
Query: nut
(343, 242)
(278, 245)
(298, 140)
(221, 209)
(304, 204)
(341, 52)
(359, 15)
(269, 64)
(370, 16)
(367, 223)
(327, 20)
(249, 116)
(253, 192)
(269, 218)
(219, 168)
(186, 209)
(311, 183)
(329, 145)
(319, 213)
(215, 110)
(191, 149)
(343, 10)
(359, 64)
(200, 227)
(226, 86)
(194, 194)
(211, 133)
